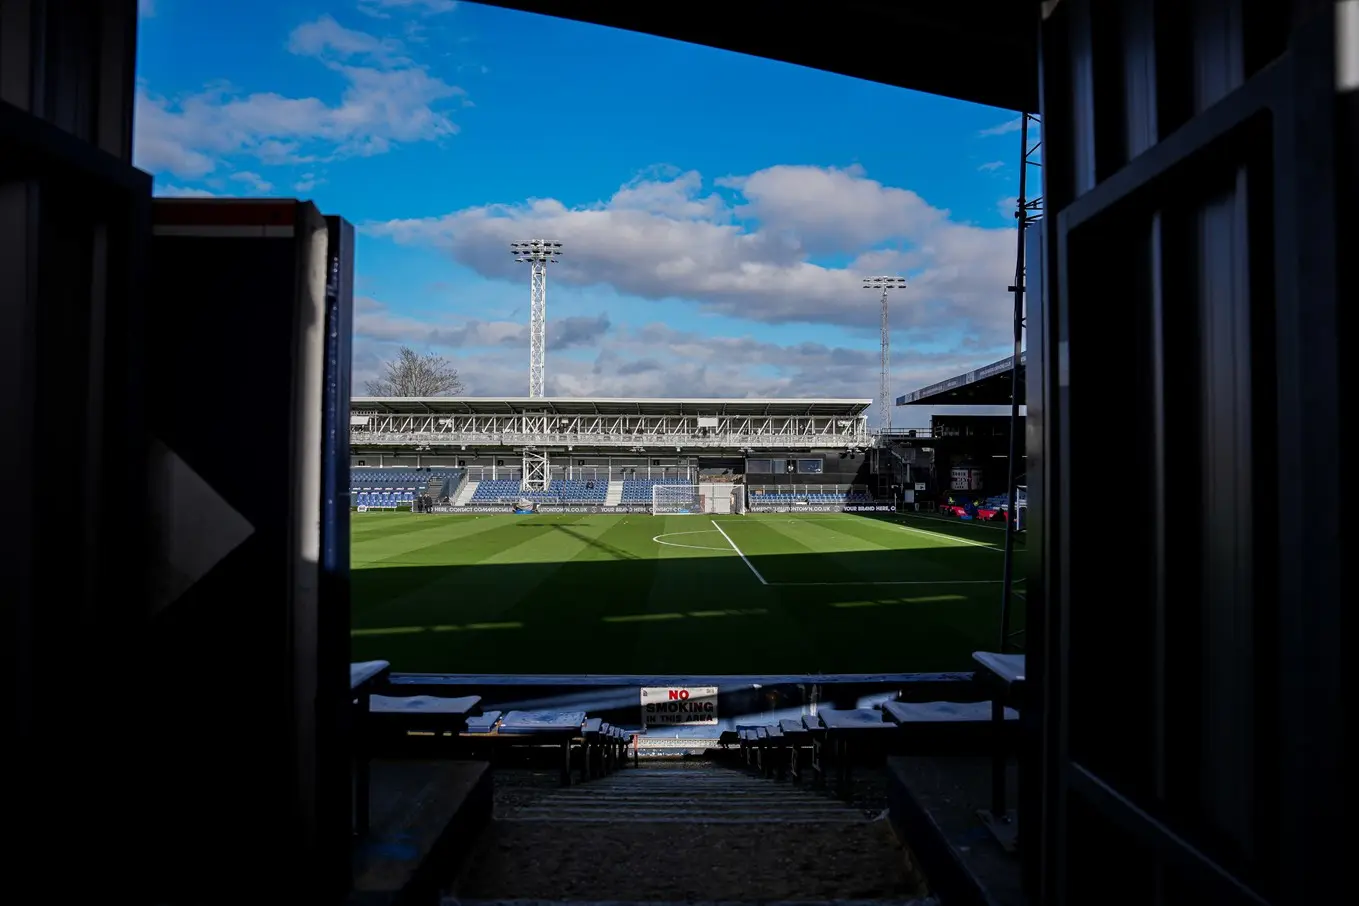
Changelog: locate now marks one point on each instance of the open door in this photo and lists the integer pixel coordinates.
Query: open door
(1197, 160)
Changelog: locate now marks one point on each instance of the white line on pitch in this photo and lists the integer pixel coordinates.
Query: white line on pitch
(928, 518)
(739, 554)
(692, 547)
(896, 582)
(921, 531)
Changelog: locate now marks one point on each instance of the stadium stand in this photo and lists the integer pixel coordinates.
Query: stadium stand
(497, 490)
(612, 452)
(783, 496)
(378, 487)
(638, 491)
(572, 491)
(569, 491)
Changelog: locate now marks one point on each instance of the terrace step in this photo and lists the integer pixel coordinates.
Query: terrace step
(694, 832)
(615, 494)
(466, 493)
(455, 901)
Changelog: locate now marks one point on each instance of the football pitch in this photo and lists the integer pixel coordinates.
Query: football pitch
(605, 594)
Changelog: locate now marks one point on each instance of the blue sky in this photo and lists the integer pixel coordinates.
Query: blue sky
(717, 210)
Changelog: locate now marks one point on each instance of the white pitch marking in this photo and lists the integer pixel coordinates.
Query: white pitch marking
(739, 554)
(692, 547)
(928, 518)
(921, 531)
(898, 582)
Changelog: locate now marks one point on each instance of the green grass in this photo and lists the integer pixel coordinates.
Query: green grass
(835, 593)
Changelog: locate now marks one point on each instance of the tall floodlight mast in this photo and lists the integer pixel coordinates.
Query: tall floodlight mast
(537, 254)
(885, 285)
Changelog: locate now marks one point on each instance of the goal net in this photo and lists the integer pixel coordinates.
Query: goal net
(675, 499)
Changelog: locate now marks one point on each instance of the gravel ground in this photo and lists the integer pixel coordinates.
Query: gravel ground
(687, 861)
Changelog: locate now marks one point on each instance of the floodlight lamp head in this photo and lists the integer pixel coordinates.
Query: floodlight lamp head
(884, 283)
(536, 250)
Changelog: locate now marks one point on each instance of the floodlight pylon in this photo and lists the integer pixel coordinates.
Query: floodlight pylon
(885, 285)
(537, 254)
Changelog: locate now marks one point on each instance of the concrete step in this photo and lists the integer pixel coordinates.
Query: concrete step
(611, 819)
(680, 811)
(570, 860)
(466, 493)
(454, 901)
(683, 793)
(787, 794)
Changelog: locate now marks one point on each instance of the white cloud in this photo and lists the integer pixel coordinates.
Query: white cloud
(182, 192)
(827, 210)
(655, 360)
(325, 35)
(756, 258)
(387, 100)
(256, 182)
(989, 166)
(1004, 128)
(374, 322)
(378, 8)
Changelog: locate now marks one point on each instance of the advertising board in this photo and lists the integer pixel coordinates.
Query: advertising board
(821, 508)
(679, 706)
(589, 508)
(507, 510)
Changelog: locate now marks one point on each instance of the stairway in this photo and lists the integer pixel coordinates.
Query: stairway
(466, 493)
(435, 488)
(614, 496)
(676, 831)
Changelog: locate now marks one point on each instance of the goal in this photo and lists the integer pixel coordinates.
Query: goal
(675, 499)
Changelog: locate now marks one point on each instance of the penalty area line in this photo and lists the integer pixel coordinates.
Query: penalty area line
(739, 554)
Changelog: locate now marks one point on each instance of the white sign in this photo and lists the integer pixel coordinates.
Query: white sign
(920, 485)
(679, 706)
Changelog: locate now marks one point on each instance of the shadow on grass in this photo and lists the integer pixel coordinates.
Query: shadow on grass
(691, 612)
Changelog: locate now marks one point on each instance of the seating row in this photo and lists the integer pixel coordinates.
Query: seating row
(824, 747)
(370, 478)
(390, 723)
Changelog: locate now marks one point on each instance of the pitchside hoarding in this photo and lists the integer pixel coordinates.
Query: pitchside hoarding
(550, 508)
(813, 508)
(567, 508)
(679, 706)
(544, 508)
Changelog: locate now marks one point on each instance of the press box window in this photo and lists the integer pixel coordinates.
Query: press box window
(809, 466)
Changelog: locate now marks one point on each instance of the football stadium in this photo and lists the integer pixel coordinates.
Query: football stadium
(419, 647)
(542, 535)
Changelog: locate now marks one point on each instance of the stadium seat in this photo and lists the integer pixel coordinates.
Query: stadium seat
(497, 491)
(835, 731)
(637, 491)
(561, 728)
(796, 740)
(400, 715)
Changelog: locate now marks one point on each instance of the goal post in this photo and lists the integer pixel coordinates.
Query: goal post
(675, 499)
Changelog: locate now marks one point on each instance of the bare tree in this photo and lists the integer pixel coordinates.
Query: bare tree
(413, 374)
